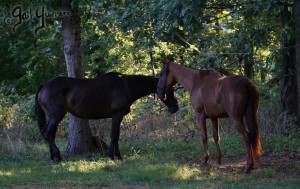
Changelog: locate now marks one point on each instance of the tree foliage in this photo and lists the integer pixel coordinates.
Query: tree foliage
(232, 36)
(119, 35)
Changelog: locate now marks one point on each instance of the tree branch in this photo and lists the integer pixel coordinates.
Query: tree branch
(187, 43)
(220, 70)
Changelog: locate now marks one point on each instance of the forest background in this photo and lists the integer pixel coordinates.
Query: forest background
(259, 39)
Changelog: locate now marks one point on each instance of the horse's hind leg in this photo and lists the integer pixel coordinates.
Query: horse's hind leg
(55, 154)
(49, 136)
(216, 135)
(238, 122)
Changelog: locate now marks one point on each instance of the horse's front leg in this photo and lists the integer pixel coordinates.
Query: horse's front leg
(216, 135)
(201, 120)
(114, 137)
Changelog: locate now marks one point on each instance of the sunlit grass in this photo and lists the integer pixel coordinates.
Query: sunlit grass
(187, 173)
(166, 164)
(83, 166)
(6, 173)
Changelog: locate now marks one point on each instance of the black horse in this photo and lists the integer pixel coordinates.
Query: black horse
(107, 96)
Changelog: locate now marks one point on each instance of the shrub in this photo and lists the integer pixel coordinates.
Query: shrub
(16, 120)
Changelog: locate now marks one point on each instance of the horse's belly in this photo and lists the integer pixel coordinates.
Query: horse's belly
(91, 113)
(102, 116)
(218, 115)
(216, 112)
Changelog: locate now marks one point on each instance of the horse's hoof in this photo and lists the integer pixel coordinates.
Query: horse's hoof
(248, 170)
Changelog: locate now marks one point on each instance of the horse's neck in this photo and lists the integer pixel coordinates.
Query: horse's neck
(142, 86)
(185, 76)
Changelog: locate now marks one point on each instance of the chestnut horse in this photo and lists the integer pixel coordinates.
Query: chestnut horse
(107, 96)
(213, 96)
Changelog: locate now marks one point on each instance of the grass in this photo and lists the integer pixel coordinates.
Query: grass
(156, 164)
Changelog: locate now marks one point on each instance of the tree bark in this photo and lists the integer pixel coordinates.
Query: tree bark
(297, 33)
(249, 58)
(80, 136)
(288, 94)
(248, 65)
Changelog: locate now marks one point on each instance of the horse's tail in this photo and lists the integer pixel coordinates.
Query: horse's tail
(251, 121)
(39, 112)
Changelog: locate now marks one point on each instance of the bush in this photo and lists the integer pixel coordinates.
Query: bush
(16, 120)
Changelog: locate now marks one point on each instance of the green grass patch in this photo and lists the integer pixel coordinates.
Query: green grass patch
(155, 164)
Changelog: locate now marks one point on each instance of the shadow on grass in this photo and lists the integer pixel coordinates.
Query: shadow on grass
(166, 165)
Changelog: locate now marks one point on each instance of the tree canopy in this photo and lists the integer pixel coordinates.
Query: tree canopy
(234, 37)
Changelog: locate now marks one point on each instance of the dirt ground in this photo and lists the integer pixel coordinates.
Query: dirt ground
(282, 166)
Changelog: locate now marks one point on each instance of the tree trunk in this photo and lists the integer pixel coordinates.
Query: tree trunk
(80, 136)
(249, 58)
(248, 65)
(297, 32)
(289, 96)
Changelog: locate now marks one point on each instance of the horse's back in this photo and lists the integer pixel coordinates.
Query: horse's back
(84, 98)
(78, 85)
(53, 88)
(237, 84)
(235, 92)
(223, 96)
